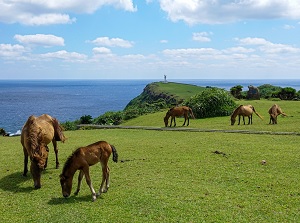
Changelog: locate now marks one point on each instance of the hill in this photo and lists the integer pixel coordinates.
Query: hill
(158, 95)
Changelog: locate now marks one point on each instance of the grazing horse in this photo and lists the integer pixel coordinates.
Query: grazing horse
(274, 111)
(36, 134)
(177, 112)
(244, 110)
(81, 159)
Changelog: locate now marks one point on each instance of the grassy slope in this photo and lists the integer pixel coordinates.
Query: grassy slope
(286, 124)
(180, 90)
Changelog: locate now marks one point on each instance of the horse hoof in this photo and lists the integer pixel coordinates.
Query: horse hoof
(37, 186)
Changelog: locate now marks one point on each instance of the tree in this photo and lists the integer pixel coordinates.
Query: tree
(236, 91)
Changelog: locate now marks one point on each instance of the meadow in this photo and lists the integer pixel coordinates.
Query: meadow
(169, 176)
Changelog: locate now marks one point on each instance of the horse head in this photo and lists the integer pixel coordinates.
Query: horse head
(40, 156)
(38, 163)
(66, 185)
(166, 118)
(232, 119)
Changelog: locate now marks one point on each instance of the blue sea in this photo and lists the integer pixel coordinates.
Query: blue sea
(68, 100)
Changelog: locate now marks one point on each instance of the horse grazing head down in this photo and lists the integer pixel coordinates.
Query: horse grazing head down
(166, 118)
(66, 185)
(38, 164)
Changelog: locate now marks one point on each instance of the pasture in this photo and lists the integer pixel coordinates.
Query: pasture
(167, 176)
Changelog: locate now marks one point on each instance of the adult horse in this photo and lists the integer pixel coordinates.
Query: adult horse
(274, 111)
(178, 112)
(81, 159)
(36, 134)
(244, 110)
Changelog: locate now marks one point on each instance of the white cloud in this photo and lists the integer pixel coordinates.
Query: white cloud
(113, 42)
(64, 55)
(202, 37)
(101, 50)
(46, 12)
(269, 47)
(220, 11)
(40, 39)
(11, 51)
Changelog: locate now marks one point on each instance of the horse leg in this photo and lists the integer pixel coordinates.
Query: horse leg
(250, 120)
(56, 152)
(239, 119)
(89, 182)
(244, 119)
(80, 176)
(25, 162)
(174, 121)
(105, 180)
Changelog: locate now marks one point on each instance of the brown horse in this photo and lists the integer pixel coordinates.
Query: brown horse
(178, 112)
(36, 134)
(81, 159)
(274, 111)
(244, 110)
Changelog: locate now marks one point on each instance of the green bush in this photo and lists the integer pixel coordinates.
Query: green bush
(109, 118)
(69, 126)
(211, 102)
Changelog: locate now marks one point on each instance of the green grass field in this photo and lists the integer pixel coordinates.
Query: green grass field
(168, 176)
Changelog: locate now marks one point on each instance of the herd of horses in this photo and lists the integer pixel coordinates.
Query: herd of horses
(40, 131)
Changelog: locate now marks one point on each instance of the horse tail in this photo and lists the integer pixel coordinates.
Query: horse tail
(115, 154)
(58, 133)
(257, 113)
(191, 112)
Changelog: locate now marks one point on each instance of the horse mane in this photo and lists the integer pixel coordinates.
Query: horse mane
(33, 132)
(58, 132)
(70, 160)
(236, 110)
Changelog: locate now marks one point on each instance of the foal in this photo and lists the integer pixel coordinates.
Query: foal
(81, 159)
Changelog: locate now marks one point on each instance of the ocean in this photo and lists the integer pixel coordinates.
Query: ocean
(68, 100)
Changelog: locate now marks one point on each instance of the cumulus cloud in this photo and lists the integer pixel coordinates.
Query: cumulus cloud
(8, 50)
(269, 47)
(40, 39)
(46, 12)
(64, 55)
(220, 11)
(202, 37)
(112, 42)
(101, 50)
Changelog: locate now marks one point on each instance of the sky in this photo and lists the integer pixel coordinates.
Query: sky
(147, 39)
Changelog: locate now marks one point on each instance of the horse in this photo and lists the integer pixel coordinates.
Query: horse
(274, 111)
(36, 134)
(244, 110)
(81, 159)
(177, 112)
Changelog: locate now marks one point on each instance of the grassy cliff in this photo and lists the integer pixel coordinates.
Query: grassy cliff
(158, 95)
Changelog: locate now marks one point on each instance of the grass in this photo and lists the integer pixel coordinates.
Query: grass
(183, 91)
(167, 176)
(285, 124)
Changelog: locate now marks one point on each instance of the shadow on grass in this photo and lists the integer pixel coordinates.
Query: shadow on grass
(13, 183)
(72, 199)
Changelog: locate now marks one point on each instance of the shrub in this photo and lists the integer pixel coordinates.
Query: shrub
(69, 126)
(86, 119)
(211, 102)
(109, 118)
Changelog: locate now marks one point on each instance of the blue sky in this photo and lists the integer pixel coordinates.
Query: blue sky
(147, 39)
